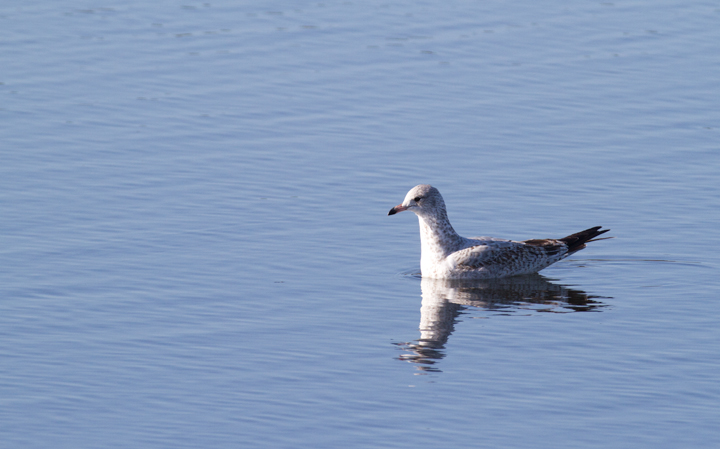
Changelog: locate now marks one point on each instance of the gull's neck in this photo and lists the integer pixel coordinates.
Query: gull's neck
(438, 239)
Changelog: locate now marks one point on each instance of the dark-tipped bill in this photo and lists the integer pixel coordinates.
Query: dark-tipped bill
(396, 209)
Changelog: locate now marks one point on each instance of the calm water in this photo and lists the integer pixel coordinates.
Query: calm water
(195, 252)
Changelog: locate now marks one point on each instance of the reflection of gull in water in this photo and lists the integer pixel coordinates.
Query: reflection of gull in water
(443, 300)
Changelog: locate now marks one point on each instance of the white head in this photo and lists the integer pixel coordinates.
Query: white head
(424, 199)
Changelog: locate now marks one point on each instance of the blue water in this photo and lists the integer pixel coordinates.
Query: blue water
(195, 251)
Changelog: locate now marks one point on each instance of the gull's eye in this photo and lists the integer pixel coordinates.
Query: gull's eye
(417, 199)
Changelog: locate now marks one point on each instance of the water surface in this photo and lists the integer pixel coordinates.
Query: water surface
(195, 252)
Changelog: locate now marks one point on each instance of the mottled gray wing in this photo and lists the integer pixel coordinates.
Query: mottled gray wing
(510, 256)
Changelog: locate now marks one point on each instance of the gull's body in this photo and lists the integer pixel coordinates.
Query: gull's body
(447, 255)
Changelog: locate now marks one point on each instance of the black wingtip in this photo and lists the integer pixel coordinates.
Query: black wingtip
(577, 241)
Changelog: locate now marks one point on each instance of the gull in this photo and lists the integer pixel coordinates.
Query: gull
(447, 255)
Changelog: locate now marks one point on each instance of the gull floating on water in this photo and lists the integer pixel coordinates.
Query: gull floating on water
(446, 255)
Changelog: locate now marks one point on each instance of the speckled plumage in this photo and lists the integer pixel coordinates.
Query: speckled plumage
(447, 255)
